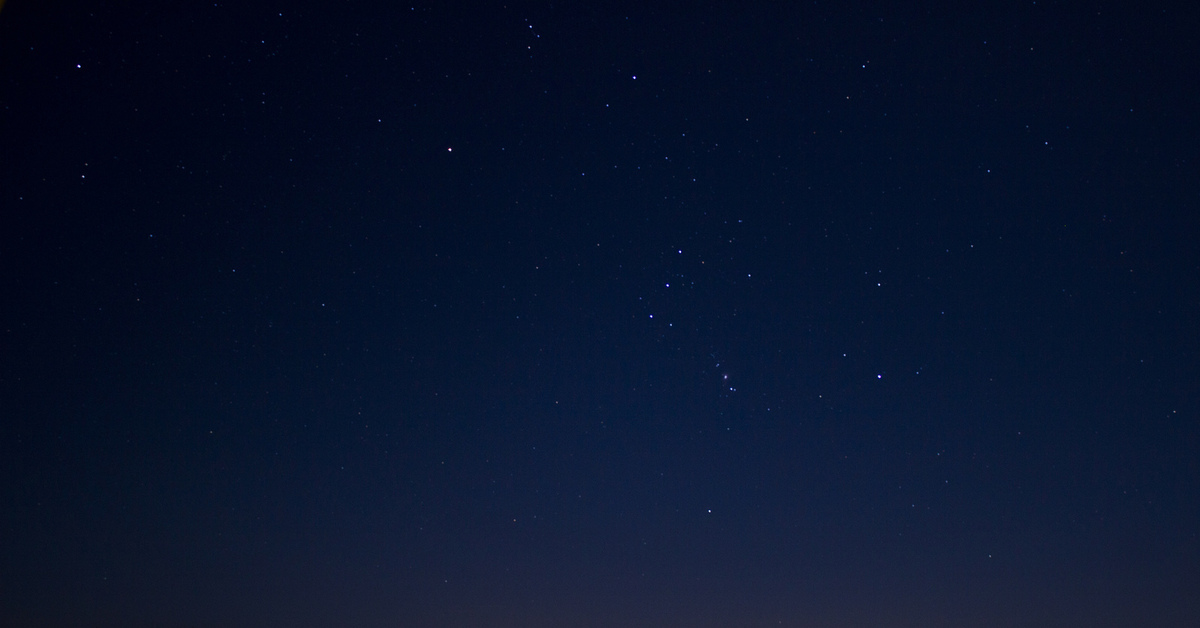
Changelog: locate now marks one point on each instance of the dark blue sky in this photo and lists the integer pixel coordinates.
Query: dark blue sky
(360, 314)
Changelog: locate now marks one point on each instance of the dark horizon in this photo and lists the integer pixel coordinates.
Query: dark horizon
(353, 314)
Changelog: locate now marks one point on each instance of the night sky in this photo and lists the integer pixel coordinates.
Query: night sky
(686, 314)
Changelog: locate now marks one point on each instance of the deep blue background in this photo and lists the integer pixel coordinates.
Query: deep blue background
(322, 314)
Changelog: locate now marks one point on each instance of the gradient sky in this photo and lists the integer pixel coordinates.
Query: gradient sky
(610, 314)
